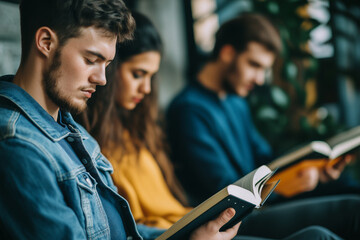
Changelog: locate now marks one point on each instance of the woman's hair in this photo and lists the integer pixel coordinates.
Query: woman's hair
(106, 120)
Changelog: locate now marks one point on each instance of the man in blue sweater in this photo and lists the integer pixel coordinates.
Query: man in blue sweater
(213, 138)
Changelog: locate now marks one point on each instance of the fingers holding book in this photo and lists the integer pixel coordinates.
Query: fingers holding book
(333, 169)
(297, 179)
(211, 229)
(307, 174)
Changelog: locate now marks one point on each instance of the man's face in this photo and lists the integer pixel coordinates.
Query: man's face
(248, 68)
(77, 68)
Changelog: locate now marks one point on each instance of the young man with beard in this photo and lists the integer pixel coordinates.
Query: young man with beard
(213, 139)
(54, 181)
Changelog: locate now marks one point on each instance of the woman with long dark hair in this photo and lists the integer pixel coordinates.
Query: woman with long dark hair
(128, 132)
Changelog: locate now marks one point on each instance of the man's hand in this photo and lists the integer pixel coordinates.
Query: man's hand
(211, 230)
(332, 171)
(305, 176)
(297, 179)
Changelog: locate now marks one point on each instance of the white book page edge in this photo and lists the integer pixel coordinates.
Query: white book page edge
(344, 147)
(243, 194)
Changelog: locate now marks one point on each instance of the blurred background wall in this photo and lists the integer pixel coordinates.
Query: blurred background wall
(9, 37)
(314, 88)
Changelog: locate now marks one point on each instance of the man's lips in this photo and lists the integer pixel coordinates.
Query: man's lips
(88, 92)
(249, 87)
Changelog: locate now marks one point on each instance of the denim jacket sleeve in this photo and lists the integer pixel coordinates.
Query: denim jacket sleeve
(32, 205)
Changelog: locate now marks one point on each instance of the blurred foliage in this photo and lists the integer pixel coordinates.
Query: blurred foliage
(286, 112)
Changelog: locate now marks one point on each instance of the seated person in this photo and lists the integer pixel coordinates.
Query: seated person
(54, 181)
(123, 117)
(213, 139)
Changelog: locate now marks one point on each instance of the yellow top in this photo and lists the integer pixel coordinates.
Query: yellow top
(140, 180)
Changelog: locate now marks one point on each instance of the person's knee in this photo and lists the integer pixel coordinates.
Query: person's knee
(315, 232)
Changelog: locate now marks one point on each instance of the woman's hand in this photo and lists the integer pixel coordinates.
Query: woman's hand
(211, 229)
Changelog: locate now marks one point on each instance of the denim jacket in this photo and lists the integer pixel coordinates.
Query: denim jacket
(43, 193)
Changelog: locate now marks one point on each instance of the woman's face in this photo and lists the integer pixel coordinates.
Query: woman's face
(134, 76)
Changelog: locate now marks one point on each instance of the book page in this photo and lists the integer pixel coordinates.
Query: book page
(345, 147)
(266, 191)
(321, 147)
(247, 181)
(344, 136)
(255, 180)
(259, 184)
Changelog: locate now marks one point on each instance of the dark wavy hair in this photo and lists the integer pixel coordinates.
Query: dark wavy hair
(67, 17)
(249, 27)
(106, 120)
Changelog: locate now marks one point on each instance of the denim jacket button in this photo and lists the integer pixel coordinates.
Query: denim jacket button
(70, 139)
(88, 181)
(84, 161)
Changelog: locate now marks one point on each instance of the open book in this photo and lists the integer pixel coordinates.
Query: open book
(244, 195)
(330, 149)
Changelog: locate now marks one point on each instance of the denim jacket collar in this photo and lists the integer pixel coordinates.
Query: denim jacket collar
(33, 110)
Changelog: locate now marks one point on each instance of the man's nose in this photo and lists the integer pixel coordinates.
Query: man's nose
(99, 78)
(260, 77)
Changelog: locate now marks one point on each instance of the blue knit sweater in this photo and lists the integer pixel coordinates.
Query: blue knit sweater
(213, 140)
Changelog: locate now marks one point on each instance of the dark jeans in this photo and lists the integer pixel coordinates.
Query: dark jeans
(313, 233)
(320, 218)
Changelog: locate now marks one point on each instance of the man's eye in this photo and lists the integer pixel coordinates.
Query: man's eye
(88, 61)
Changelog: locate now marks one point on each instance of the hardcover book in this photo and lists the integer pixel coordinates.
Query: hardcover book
(244, 195)
(333, 148)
